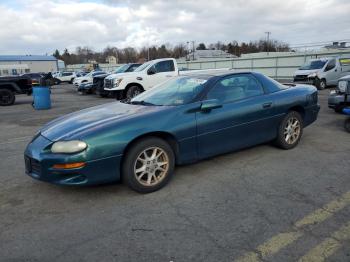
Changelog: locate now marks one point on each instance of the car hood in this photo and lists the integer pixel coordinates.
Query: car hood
(306, 72)
(345, 78)
(78, 124)
(121, 75)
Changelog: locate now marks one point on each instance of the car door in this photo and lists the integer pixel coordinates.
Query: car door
(241, 121)
(160, 72)
(332, 72)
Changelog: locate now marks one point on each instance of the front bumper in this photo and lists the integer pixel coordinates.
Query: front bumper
(39, 162)
(338, 99)
(307, 81)
(86, 87)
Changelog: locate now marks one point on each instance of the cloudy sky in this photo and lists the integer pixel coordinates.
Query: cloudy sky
(41, 26)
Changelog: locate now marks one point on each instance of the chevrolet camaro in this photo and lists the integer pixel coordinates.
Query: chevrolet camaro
(180, 121)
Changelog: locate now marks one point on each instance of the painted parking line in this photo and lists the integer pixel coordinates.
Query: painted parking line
(328, 247)
(281, 240)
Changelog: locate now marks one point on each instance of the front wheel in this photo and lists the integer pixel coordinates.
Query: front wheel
(320, 83)
(290, 131)
(133, 91)
(148, 165)
(7, 97)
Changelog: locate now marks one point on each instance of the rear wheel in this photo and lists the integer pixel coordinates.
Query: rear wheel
(148, 165)
(7, 97)
(56, 81)
(290, 131)
(133, 91)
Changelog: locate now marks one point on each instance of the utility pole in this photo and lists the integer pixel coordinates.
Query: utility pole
(148, 53)
(188, 51)
(268, 41)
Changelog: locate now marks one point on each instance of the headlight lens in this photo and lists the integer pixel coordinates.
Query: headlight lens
(68, 147)
(117, 81)
(342, 85)
(312, 75)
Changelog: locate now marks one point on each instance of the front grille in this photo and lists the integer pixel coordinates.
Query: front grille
(32, 165)
(108, 83)
(300, 78)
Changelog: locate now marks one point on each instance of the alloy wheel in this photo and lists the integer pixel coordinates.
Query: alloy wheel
(292, 130)
(151, 166)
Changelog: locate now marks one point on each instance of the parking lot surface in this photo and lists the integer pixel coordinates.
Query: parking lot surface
(258, 204)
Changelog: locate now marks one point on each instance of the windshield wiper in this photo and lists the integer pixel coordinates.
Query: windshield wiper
(144, 103)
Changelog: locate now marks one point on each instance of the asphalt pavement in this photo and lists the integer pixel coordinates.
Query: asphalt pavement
(257, 204)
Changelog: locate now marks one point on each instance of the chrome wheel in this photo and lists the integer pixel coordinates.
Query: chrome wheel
(151, 166)
(292, 130)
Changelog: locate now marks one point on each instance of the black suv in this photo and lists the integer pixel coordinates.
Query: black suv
(12, 85)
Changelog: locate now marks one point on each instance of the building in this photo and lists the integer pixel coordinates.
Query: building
(207, 55)
(16, 65)
(112, 60)
(338, 46)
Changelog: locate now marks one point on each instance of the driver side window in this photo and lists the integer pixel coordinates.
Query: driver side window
(164, 66)
(330, 65)
(235, 87)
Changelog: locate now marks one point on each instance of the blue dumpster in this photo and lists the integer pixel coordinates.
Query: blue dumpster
(42, 99)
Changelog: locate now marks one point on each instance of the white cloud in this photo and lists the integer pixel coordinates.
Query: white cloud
(41, 26)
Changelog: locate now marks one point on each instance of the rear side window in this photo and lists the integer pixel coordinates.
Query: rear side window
(66, 74)
(165, 66)
(235, 87)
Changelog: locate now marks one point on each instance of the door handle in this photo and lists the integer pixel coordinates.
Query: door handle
(168, 76)
(267, 105)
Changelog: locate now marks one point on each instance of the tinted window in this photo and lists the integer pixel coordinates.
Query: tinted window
(330, 65)
(66, 74)
(164, 66)
(174, 92)
(236, 87)
(315, 64)
(132, 68)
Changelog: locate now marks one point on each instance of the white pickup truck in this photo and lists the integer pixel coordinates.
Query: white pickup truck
(146, 76)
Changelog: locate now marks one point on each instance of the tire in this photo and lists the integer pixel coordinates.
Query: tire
(56, 81)
(133, 91)
(320, 84)
(339, 109)
(71, 81)
(7, 97)
(288, 138)
(347, 124)
(144, 180)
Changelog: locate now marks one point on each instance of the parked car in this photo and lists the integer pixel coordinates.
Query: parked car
(86, 78)
(338, 98)
(98, 81)
(10, 86)
(143, 78)
(180, 121)
(64, 77)
(323, 72)
(35, 77)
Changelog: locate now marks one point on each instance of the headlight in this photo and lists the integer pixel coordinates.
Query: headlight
(342, 85)
(312, 75)
(68, 147)
(117, 81)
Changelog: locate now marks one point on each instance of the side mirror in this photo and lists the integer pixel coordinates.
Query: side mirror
(208, 105)
(151, 71)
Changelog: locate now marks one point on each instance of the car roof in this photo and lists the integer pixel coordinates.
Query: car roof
(221, 73)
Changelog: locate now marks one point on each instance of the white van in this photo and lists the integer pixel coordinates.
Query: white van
(323, 72)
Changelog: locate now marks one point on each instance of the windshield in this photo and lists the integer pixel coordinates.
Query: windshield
(315, 64)
(173, 92)
(121, 69)
(143, 66)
